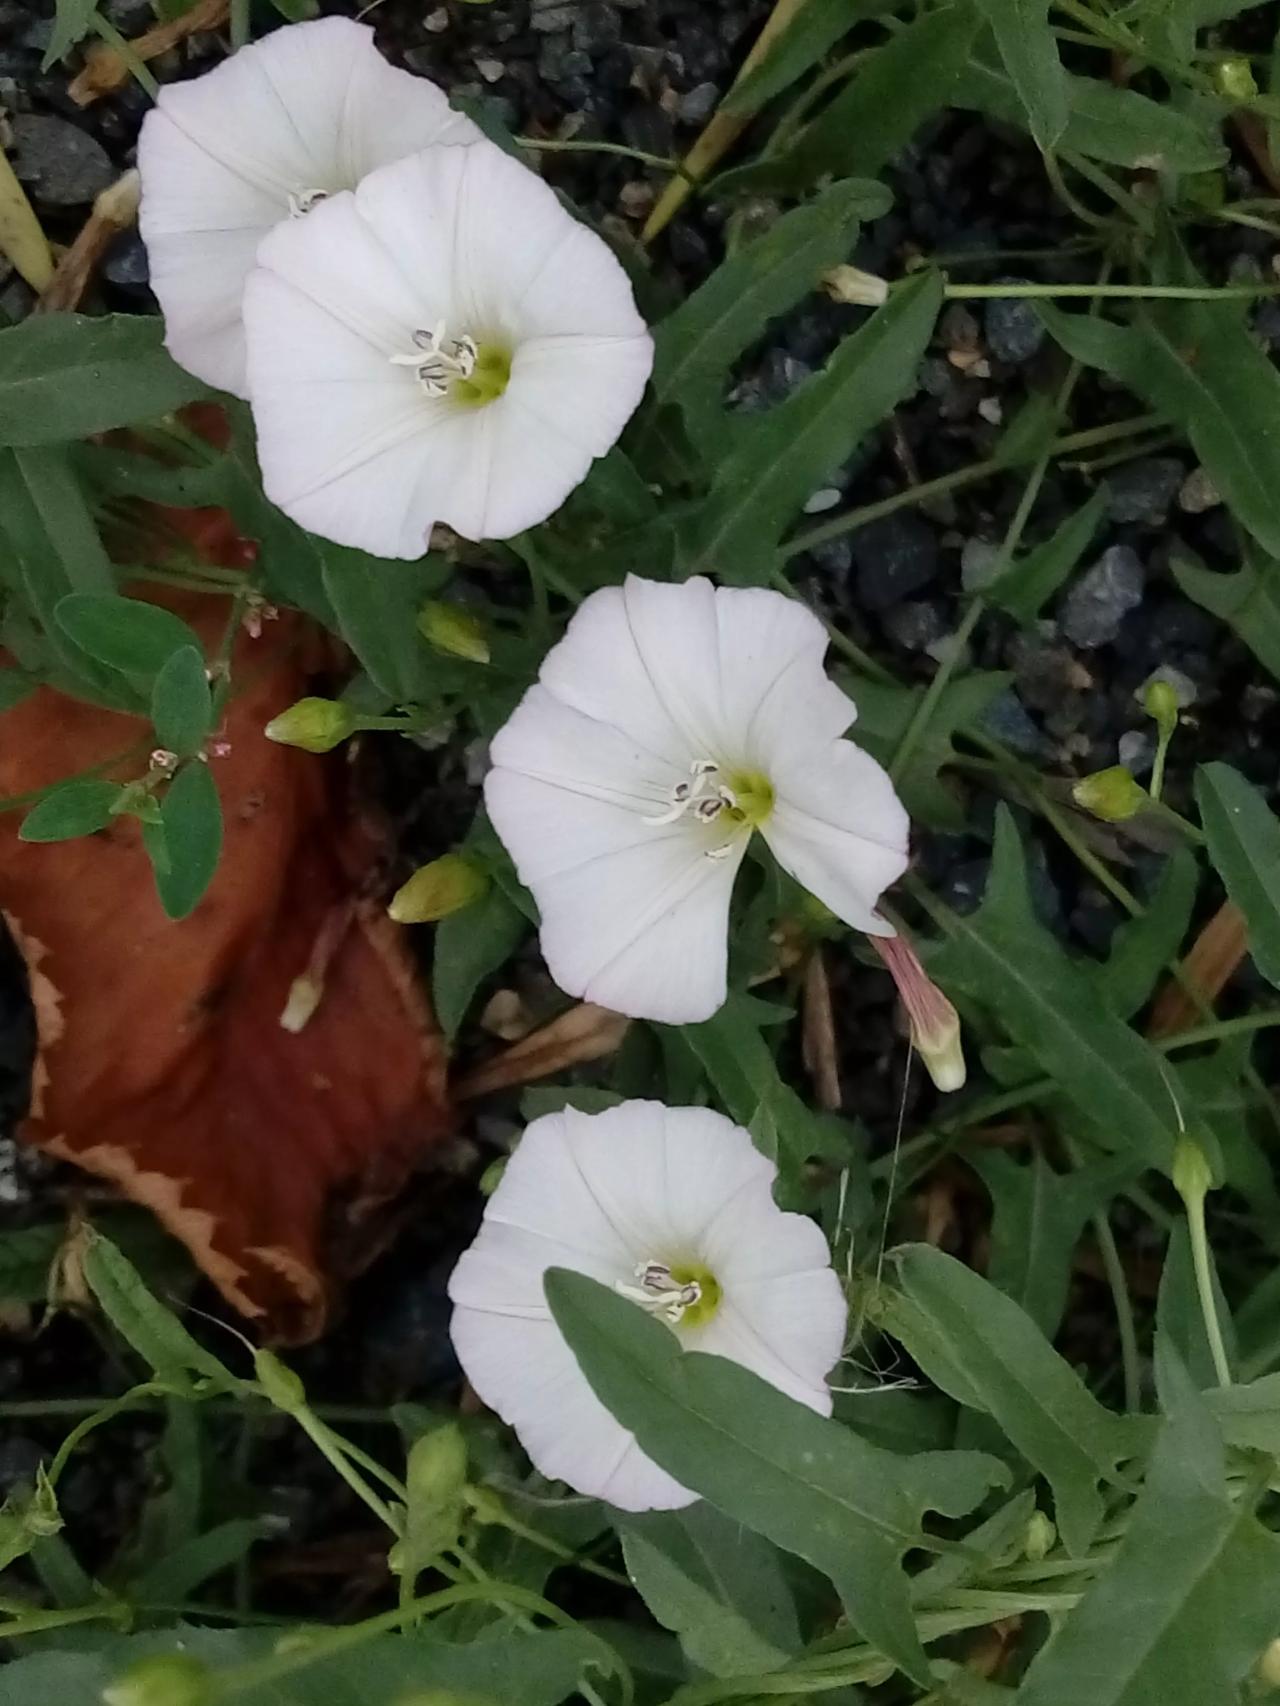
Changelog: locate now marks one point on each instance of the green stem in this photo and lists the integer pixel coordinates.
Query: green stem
(1120, 292)
(1118, 1282)
(1201, 1262)
(923, 713)
(333, 1447)
(660, 161)
(37, 1622)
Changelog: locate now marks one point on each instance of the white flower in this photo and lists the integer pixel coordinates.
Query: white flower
(670, 722)
(672, 1207)
(280, 125)
(447, 344)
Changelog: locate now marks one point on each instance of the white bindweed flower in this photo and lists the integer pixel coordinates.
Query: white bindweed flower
(447, 344)
(668, 724)
(267, 135)
(673, 1208)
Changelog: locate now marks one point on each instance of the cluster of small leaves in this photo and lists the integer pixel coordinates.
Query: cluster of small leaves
(1114, 1527)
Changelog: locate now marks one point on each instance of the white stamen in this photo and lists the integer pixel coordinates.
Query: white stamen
(660, 1293)
(704, 796)
(302, 201)
(439, 359)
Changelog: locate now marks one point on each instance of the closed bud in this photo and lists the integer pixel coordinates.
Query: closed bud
(935, 1024)
(450, 629)
(1160, 702)
(441, 1696)
(1234, 79)
(279, 1383)
(1192, 1174)
(437, 1467)
(445, 885)
(1039, 1538)
(1268, 1666)
(162, 1679)
(316, 725)
(859, 289)
(1112, 795)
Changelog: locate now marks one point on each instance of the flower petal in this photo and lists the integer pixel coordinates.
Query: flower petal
(790, 1334)
(841, 831)
(311, 107)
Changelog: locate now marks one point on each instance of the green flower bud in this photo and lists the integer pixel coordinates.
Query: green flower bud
(1112, 795)
(435, 1479)
(1160, 702)
(441, 1696)
(162, 1679)
(492, 1176)
(1192, 1172)
(1234, 79)
(316, 725)
(445, 885)
(859, 289)
(1040, 1535)
(280, 1384)
(450, 629)
(1267, 1669)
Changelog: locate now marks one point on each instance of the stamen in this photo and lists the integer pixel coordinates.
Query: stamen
(704, 796)
(438, 359)
(302, 201)
(660, 1293)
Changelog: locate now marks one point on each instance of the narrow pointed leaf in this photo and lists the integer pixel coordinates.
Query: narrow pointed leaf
(1244, 845)
(1029, 50)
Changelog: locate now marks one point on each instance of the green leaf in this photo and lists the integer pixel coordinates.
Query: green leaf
(377, 605)
(1190, 1599)
(72, 22)
(807, 1483)
(697, 344)
(1039, 1217)
(1003, 958)
(191, 820)
(159, 1338)
(1029, 50)
(1249, 1416)
(1244, 846)
(1142, 947)
(15, 686)
(183, 1570)
(181, 703)
(1028, 584)
(745, 1077)
(468, 946)
(1015, 1375)
(27, 1253)
(779, 459)
(813, 31)
(1248, 600)
(721, 1588)
(1199, 366)
(70, 809)
(135, 638)
(879, 110)
(66, 376)
(58, 499)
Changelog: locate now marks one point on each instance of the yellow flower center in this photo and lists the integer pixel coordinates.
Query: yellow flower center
(487, 380)
(688, 1274)
(686, 1295)
(753, 796)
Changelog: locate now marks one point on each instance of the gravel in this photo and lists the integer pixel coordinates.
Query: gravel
(893, 558)
(1099, 601)
(1013, 331)
(60, 164)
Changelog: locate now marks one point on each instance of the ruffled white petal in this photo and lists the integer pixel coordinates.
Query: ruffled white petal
(311, 107)
(841, 831)
(600, 1194)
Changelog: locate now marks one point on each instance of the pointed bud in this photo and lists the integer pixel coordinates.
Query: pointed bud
(1192, 1174)
(450, 629)
(935, 1024)
(1160, 702)
(162, 1679)
(1112, 795)
(279, 1383)
(434, 891)
(1038, 1540)
(316, 725)
(859, 289)
(1234, 79)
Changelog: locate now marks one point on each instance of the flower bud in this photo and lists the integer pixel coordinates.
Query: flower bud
(280, 1384)
(1192, 1174)
(1234, 79)
(450, 629)
(162, 1679)
(434, 891)
(1112, 795)
(935, 1024)
(1037, 1541)
(859, 289)
(316, 725)
(1267, 1669)
(1160, 702)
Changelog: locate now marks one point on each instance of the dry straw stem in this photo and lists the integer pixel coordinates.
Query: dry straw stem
(115, 210)
(21, 240)
(722, 131)
(106, 69)
(584, 1033)
(1214, 957)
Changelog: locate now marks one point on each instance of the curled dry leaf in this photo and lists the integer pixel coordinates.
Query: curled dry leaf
(162, 1064)
(1214, 958)
(584, 1033)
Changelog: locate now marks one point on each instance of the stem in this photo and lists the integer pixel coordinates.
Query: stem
(923, 712)
(36, 1622)
(660, 161)
(137, 69)
(1118, 1281)
(1204, 1285)
(331, 1446)
(1121, 292)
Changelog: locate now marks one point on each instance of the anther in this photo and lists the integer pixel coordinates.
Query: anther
(302, 201)
(660, 1293)
(438, 359)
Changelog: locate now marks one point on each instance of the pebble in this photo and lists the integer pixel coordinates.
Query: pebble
(698, 104)
(595, 27)
(492, 70)
(126, 262)
(550, 16)
(1013, 330)
(20, 1457)
(437, 22)
(979, 560)
(916, 624)
(1136, 750)
(130, 17)
(1005, 719)
(825, 498)
(1143, 490)
(1198, 493)
(893, 558)
(62, 165)
(1099, 601)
